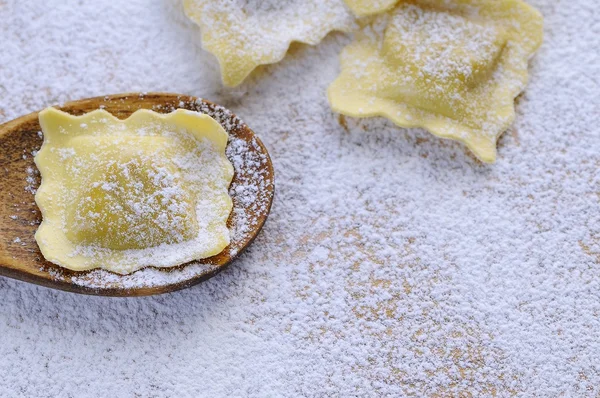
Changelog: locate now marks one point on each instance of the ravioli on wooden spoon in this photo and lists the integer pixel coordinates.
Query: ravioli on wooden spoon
(140, 193)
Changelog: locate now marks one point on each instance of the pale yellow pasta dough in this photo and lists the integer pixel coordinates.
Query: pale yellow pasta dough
(125, 194)
(453, 68)
(369, 7)
(244, 34)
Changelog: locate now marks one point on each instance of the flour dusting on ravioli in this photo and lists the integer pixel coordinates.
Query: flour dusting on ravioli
(244, 34)
(453, 68)
(150, 190)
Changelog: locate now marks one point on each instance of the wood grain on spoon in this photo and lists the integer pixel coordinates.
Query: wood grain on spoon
(20, 257)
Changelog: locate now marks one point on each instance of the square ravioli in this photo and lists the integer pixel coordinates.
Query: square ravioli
(150, 190)
(453, 68)
(244, 34)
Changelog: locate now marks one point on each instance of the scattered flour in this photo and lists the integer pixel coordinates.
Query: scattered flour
(393, 264)
(31, 180)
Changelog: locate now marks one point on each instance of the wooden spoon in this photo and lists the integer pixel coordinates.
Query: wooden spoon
(252, 191)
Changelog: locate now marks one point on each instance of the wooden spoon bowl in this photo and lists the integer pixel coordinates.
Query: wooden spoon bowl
(252, 192)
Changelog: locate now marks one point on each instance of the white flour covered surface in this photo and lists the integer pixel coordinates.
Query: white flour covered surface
(392, 264)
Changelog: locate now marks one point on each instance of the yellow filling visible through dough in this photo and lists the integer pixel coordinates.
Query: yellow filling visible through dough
(130, 201)
(453, 68)
(440, 59)
(121, 195)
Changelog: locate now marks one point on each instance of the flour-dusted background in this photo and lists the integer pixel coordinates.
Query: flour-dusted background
(392, 263)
